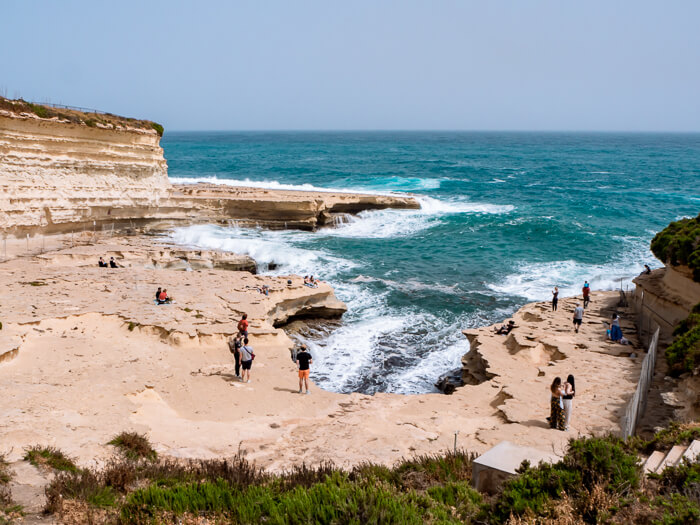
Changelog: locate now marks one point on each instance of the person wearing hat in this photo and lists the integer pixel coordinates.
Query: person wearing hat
(304, 359)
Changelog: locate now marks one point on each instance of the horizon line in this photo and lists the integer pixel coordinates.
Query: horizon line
(429, 130)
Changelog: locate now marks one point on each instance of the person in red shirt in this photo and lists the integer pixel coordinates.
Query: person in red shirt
(243, 325)
(586, 294)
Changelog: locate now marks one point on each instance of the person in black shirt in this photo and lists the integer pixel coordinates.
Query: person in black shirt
(234, 346)
(101, 263)
(158, 294)
(112, 263)
(304, 359)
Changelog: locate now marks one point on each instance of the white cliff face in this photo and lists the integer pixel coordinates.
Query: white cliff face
(54, 174)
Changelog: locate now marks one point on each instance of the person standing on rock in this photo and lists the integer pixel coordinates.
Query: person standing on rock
(555, 299)
(578, 317)
(556, 407)
(247, 356)
(234, 345)
(586, 294)
(567, 398)
(243, 325)
(304, 359)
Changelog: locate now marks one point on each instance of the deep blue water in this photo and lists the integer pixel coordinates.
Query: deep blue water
(506, 216)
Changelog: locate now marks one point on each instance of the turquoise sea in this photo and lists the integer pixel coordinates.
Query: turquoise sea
(506, 216)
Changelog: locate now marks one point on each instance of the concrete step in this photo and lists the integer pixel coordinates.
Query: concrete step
(692, 453)
(653, 461)
(672, 458)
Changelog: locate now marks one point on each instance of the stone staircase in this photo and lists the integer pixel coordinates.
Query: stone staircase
(658, 461)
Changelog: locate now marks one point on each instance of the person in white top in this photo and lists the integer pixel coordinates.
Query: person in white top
(578, 317)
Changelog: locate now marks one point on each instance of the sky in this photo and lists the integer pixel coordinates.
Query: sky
(362, 64)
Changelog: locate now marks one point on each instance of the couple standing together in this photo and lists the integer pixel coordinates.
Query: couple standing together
(561, 403)
(242, 353)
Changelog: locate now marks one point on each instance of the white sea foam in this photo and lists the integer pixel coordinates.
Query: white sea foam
(266, 247)
(431, 206)
(269, 184)
(535, 281)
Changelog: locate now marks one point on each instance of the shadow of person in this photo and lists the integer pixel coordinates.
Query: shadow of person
(536, 423)
(290, 390)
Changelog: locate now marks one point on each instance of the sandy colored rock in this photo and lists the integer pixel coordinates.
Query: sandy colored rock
(97, 357)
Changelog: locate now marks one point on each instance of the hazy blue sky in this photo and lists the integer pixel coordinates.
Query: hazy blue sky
(294, 64)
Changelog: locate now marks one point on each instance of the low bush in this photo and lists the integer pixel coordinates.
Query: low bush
(590, 465)
(679, 243)
(49, 457)
(684, 353)
(335, 500)
(676, 433)
(134, 446)
(159, 129)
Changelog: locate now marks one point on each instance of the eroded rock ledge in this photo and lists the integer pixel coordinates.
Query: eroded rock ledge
(60, 176)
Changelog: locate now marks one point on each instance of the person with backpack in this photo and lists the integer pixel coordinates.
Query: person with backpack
(234, 346)
(586, 294)
(304, 359)
(246, 356)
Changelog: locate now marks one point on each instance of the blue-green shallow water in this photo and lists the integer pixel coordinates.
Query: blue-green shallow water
(506, 216)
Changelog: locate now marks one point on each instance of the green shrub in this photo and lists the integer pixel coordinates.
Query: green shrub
(684, 353)
(40, 111)
(102, 497)
(90, 123)
(588, 463)
(335, 500)
(134, 446)
(158, 128)
(678, 509)
(533, 489)
(466, 501)
(603, 461)
(680, 477)
(49, 457)
(675, 434)
(679, 243)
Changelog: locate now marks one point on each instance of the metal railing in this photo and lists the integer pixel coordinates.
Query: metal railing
(638, 404)
(64, 106)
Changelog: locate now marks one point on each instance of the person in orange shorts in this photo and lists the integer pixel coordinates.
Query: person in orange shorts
(304, 359)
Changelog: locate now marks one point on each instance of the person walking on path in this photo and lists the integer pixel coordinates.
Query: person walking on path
(578, 317)
(234, 345)
(243, 325)
(586, 294)
(304, 359)
(555, 299)
(247, 356)
(568, 399)
(556, 407)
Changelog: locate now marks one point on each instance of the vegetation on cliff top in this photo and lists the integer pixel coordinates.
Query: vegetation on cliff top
(679, 243)
(599, 480)
(684, 353)
(87, 118)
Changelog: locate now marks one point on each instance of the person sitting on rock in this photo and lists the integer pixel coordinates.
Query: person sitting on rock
(101, 263)
(506, 329)
(158, 294)
(163, 297)
(112, 263)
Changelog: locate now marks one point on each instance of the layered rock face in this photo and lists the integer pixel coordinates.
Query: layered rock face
(666, 296)
(279, 209)
(59, 175)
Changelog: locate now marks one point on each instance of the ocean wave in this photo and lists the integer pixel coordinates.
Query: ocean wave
(269, 185)
(409, 183)
(431, 206)
(268, 248)
(535, 281)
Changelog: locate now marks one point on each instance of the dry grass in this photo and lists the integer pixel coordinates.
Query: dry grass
(103, 120)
